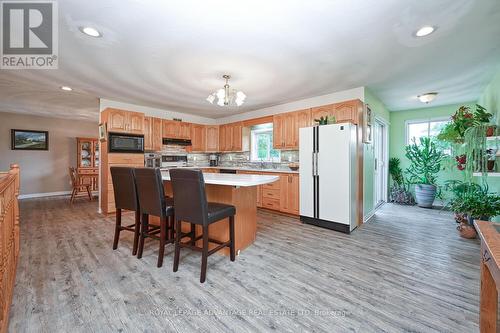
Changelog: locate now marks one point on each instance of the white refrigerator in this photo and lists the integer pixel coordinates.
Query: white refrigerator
(328, 175)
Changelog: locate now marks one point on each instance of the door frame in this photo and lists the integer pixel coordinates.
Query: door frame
(385, 170)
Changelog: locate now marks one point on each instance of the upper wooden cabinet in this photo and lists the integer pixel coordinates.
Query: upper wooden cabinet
(174, 129)
(231, 137)
(237, 144)
(124, 121)
(347, 111)
(286, 128)
(152, 133)
(212, 138)
(198, 138)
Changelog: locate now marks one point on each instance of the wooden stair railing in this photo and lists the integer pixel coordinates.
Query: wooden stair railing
(9, 240)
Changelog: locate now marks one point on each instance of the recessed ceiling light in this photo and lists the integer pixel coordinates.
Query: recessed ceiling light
(427, 98)
(425, 31)
(66, 88)
(93, 32)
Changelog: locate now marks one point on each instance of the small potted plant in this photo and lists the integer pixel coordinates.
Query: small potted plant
(325, 120)
(425, 159)
(482, 117)
(400, 192)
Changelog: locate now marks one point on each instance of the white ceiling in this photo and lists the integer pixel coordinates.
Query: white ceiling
(171, 54)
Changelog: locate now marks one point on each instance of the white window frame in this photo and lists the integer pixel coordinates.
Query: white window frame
(421, 121)
(253, 152)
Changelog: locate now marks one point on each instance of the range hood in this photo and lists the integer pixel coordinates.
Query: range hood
(177, 142)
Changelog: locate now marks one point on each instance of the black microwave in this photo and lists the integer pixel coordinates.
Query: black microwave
(126, 143)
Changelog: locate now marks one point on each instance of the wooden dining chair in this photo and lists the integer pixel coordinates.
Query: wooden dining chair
(78, 186)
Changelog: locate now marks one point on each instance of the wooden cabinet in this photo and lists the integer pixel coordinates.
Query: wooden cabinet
(278, 142)
(88, 161)
(174, 129)
(285, 131)
(170, 129)
(124, 121)
(231, 137)
(184, 130)
(343, 112)
(289, 198)
(152, 134)
(212, 138)
(198, 137)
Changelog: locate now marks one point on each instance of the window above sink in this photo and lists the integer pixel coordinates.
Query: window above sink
(261, 144)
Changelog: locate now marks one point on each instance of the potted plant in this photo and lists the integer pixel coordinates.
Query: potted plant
(326, 120)
(475, 204)
(462, 120)
(400, 191)
(425, 161)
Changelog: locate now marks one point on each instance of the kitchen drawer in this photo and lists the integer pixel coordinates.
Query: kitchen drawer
(87, 171)
(271, 203)
(270, 193)
(272, 186)
(118, 158)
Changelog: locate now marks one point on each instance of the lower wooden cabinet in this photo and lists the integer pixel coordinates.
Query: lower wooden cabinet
(282, 195)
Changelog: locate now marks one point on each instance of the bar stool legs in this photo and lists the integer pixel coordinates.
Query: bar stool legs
(118, 228)
(232, 253)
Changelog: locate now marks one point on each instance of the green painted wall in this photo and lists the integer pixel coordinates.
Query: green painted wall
(490, 98)
(397, 138)
(379, 109)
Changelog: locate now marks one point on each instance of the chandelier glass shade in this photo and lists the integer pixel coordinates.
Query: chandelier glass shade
(227, 96)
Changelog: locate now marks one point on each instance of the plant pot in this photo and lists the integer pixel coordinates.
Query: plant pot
(460, 218)
(490, 131)
(467, 231)
(425, 195)
(490, 165)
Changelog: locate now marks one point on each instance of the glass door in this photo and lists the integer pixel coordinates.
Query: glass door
(85, 154)
(380, 155)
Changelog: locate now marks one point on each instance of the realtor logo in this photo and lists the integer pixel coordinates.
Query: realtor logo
(29, 35)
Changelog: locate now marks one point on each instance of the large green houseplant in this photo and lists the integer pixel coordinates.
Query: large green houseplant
(425, 159)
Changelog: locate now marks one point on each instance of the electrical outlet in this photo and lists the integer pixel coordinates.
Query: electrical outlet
(230, 157)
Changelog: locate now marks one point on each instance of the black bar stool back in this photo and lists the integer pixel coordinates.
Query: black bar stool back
(190, 201)
(125, 193)
(152, 195)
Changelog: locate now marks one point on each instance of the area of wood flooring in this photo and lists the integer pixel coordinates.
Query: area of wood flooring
(406, 270)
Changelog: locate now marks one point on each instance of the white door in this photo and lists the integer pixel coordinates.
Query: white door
(334, 170)
(306, 197)
(379, 162)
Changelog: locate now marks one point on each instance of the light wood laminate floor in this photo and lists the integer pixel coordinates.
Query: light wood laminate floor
(406, 270)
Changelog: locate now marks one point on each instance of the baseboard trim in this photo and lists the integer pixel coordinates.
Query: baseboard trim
(41, 195)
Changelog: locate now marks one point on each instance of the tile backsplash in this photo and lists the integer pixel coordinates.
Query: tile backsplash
(243, 160)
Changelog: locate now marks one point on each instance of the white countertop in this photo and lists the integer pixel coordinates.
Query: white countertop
(232, 179)
(241, 169)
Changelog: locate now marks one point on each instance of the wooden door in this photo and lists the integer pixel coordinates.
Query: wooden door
(278, 141)
(185, 130)
(135, 122)
(289, 130)
(171, 129)
(346, 112)
(293, 194)
(284, 198)
(148, 133)
(198, 133)
(157, 138)
(322, 111)
(303, 120)
(228, 138)
(212, 138)
(117, 120)
(237, 139)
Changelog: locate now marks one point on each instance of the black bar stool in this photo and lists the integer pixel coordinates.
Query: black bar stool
(125, 192)
(190, 201)
(153, 202)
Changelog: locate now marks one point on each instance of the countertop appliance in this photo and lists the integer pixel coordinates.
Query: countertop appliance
(173, 160)
(214, 160)
(152, 160)
(125, 143)
(328, 176)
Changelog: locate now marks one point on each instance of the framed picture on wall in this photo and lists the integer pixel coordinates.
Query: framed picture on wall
(29, 140)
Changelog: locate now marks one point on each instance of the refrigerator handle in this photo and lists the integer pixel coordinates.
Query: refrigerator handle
(316, 163)
(313, 165)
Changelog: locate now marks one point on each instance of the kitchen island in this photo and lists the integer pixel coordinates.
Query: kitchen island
(239, 190)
